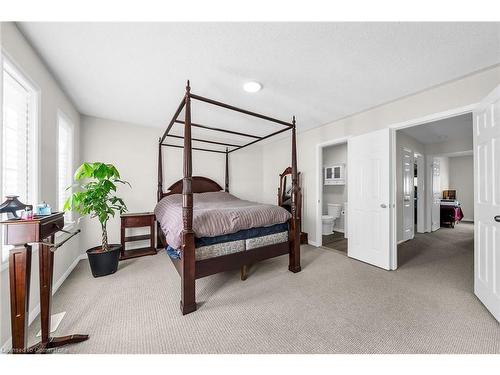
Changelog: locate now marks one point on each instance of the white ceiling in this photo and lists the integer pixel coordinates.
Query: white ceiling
(449, 129)
(136, 72)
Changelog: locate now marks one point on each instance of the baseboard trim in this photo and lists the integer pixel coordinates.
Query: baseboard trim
(312, 243)
(36, 310)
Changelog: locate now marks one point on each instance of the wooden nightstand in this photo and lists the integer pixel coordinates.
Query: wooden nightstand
(138, 220)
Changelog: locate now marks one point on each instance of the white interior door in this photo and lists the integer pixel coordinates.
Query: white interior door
(368, 190)
(408, 195)
(436, 195)
(420, 202)
(487, 202)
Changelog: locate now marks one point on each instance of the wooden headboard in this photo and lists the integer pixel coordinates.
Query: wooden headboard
(199, 185)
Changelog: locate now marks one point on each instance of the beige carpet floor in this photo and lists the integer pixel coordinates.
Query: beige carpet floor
(335, 305)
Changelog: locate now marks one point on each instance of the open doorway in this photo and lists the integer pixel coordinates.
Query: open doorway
(332, 195)
(435, 192)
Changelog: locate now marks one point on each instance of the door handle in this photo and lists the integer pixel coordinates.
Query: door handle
(383, 205)
(497, 218)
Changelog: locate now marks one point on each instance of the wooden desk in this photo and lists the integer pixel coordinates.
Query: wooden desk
(24, 234)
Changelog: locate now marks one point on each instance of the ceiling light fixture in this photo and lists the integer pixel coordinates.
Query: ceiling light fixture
(252, 86)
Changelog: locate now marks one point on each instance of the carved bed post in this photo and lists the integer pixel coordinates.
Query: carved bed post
(294, 256)
(159, 192)
(226, 183)
(188, 301)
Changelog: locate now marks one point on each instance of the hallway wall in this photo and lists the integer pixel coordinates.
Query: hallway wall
(462, 180)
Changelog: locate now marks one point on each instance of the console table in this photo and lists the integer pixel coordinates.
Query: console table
(24, 234)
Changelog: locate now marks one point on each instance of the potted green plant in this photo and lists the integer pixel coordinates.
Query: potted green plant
(95, 196)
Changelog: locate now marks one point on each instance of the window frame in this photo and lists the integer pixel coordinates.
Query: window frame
(7, 64)
(61, 115)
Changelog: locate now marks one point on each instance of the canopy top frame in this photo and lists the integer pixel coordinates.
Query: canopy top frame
(231, 147)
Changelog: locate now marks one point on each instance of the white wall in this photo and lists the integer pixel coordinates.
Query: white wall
(444, 172)
(276, 155)
(335, 154)
(133, 149)
(462, 180)
(52, 99)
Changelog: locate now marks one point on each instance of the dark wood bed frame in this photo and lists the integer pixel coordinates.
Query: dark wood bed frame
(190, 269)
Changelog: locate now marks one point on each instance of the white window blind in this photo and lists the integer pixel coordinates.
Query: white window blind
(65, 162)
(18, 140)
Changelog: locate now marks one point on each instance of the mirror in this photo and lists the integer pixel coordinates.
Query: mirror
(285, 189)
(285, 197)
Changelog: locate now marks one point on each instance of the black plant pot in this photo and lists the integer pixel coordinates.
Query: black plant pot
(104, 263)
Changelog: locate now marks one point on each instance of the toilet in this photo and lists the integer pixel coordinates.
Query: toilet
(328, 221)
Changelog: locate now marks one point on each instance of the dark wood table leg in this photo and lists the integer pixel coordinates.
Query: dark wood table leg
(19, 274)
(46, 270)
(55, 342)
(46, 267)
(122, 241)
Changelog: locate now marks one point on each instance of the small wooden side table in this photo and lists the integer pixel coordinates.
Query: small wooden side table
(137, 220)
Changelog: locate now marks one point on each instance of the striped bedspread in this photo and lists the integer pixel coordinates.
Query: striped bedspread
(215, 214)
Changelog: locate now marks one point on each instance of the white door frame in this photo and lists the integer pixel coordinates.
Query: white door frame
(319, 184)
(407, 124)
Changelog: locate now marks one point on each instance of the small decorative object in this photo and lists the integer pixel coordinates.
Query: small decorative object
(96, 197)
(450, 194)
(27, 214)
(43, 209)
(12, 205)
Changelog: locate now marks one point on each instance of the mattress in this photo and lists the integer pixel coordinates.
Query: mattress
(219, 249)
(215, 214)
(242, 235)
(210, 247)
(225, 248)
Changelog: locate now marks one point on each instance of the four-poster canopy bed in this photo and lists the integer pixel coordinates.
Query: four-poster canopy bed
(195, 261)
